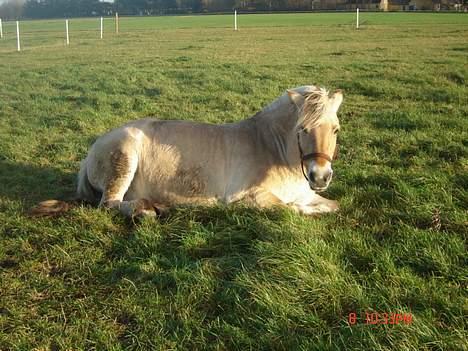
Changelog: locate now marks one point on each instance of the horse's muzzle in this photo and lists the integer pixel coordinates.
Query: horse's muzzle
(320, 182)
(318, 189)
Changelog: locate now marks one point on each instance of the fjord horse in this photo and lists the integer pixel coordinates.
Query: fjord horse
(280, 156)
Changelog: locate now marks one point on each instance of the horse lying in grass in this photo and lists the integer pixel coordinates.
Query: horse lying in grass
(280, 156)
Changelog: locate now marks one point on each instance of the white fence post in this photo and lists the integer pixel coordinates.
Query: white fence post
(1, 29)
(116, 23)
(66, 29)
(357, 18)
(235, 19)
(18, 45)
(101, 27)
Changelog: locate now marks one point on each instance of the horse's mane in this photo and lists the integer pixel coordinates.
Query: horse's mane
(311, 112)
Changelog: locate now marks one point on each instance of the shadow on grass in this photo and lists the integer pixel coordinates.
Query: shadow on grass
(195, 253)
(198, 254)
(32, 183)
(191, 234)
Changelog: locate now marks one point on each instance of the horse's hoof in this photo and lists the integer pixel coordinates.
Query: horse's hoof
(147, 208)
(143, 209)
(334, 206)
(161, 210)
(144, 214)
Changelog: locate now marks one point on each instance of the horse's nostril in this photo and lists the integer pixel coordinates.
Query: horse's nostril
(320, 179)
(327, 177)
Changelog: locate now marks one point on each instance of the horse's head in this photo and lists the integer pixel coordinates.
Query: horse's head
(317, 131)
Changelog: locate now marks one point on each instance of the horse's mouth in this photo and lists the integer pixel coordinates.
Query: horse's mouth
(319, 189)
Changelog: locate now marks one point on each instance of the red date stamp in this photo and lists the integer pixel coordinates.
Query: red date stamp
(375, 318)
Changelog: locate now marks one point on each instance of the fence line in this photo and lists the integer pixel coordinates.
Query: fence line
(40, 33)
(18, 45)
(53, 30)
(67, 33)
(357, 18)
(116, 23)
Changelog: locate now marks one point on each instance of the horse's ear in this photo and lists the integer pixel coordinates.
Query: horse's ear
(296, 98)
(336, 100)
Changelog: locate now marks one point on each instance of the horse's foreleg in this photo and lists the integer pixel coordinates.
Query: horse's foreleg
(121, 172)
(264, 198)
(311, 205)
(318, 205)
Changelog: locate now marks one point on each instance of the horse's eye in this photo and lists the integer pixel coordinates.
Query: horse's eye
(336, 131)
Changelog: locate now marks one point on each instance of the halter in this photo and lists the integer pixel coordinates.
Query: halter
(314, 155)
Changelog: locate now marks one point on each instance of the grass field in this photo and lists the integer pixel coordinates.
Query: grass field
(239, 278)
(52, 32)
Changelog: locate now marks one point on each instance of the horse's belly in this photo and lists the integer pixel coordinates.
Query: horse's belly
(163, 178)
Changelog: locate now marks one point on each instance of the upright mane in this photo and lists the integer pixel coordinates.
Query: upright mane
(311, 111)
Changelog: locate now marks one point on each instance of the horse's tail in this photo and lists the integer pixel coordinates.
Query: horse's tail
(85, 194)
(85, 190)
(50, 208)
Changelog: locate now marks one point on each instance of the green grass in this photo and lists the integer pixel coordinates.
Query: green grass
(48, 33)
(237, 278)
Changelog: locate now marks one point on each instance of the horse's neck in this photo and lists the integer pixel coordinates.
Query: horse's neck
(275, 130)
(277, 115)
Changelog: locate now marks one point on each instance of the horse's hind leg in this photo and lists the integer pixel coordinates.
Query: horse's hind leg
(121, 171)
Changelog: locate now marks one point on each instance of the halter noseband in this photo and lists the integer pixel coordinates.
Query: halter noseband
(314, 155)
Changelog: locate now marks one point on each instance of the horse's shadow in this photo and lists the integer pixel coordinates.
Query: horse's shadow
(30, 183)
(203, 252)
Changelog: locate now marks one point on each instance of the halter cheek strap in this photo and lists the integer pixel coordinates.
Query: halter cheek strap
(314, 155)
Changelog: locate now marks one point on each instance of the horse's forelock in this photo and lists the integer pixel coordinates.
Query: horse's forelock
(312, 111)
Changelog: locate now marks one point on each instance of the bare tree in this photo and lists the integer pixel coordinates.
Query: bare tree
(11, 9)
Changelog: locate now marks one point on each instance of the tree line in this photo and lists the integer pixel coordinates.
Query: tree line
(14, 9)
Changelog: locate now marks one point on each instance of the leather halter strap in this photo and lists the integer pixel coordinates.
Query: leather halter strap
(314, 155)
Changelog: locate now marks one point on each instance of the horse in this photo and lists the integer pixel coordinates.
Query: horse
(280, 156)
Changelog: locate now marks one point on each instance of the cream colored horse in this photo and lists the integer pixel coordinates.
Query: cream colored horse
(280, 156)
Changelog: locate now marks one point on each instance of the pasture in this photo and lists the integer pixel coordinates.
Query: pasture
(239, 278)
